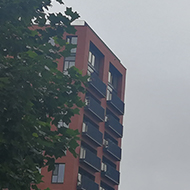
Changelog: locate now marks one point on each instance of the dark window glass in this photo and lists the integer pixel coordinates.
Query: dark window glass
(85, 173)
(109, 137)
(113, 77)
(86, 146)
(95, 58)
(107, 161)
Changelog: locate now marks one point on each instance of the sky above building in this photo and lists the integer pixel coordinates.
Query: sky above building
(152, 39)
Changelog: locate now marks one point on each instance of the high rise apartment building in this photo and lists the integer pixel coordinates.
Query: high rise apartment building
(99, 122)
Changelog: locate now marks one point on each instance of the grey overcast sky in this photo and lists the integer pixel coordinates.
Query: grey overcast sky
(152, 39)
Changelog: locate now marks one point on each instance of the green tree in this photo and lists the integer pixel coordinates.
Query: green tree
(33, 93)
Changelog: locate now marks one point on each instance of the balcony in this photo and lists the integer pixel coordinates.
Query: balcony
(97, 84)
(106, 188)
(88, 130)
(94, 108)
(114, 125)
(112, 149)
(116, 103)
(89, 158)
(85, 183)
(110, 173)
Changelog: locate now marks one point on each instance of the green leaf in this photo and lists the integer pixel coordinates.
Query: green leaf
(34, 95)
(32, 54)
(34, 33)
(34, 134)
(69, 12)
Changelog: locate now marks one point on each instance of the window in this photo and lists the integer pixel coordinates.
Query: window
(90, 95)
(85, 147)
(103, 167)
(58, 173)
(110, 138)
(109, 113)
(113, 80)
(79, 179)
(113, 77)
(84, 127)
(87, 121)
(108, 162)
(68, 64)
(82, 152)
(72, 40)
(83, 172)
(109, 93)
(95, 59)
(91, 58)
(89, 71)
(93, 62)
(70, 61)
(110, 77)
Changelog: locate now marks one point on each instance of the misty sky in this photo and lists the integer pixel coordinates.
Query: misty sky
(152, 39)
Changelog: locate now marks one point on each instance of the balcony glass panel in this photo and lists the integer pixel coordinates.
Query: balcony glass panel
(116, 102)
(111, 173)
(114, 125)
(112, 149)
(92, 132)
(97, 84)
(90, 159)
(87, 184)
(95, 108)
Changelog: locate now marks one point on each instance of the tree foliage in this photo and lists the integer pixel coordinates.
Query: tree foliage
(33, 93)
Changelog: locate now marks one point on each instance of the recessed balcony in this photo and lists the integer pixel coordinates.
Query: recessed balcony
(95, 83)
(114, 125)
(91, 132)
(94, 108)
(116, 103)
(110, 173)
(85, 183)
(112, 149)
(90, 159)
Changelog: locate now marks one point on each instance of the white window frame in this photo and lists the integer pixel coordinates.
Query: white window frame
(79, 179)
(84, 127)
(103, 167)
(69, 40)
(82, 153)
(58, 173)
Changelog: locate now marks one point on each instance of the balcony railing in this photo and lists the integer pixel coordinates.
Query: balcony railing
(95, 108)
(110, 173)
(112, 149)
(97, 84)
(90, 159)
(92, 132)
(106, 188)
(85, 183)
(116, 102)
(114, 125)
